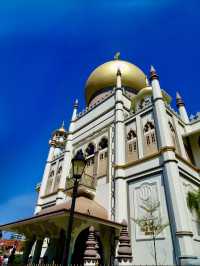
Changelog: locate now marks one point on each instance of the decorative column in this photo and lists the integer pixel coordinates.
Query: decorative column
(139, 137)
(120, 183)
(91, 256)
(181, 108)
(180, 226)
(124, 253)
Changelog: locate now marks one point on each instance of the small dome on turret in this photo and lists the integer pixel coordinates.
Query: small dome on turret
(59, 137)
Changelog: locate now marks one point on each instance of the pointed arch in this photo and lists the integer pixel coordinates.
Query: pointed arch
(131, 134)
(103, 144)
(131, 146)
(90, 150)
(150, 141)
(102, 164)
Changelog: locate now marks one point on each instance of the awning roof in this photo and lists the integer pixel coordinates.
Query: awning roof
(50, 223)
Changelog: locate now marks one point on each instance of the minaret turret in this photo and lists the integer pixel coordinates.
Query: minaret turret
(57, 144)
(160, 110)
(181, 108)
(74, 115)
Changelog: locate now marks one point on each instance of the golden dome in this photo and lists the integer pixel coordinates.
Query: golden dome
(104, 76)
(144, 91)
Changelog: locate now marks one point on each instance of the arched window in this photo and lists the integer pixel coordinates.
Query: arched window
(59, 170)
(103, 143)
(90, 149)
(150, 144)
(131, 150)
(148, 126)
(131, 135)
(51, 173)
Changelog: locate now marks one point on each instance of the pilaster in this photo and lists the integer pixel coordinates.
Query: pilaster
(181, 231)
(120, 183)
(139, 137)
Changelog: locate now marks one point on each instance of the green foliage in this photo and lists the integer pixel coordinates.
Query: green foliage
(193, 202)
(18, 259)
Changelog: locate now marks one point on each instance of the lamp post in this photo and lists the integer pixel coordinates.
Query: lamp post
(78, 166)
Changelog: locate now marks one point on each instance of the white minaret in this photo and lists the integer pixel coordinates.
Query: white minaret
(120, 183)
(68, 155)
(181, 108)
(56, 142)
(177, 213)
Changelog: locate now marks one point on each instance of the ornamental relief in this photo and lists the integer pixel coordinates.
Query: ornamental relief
(147, 214)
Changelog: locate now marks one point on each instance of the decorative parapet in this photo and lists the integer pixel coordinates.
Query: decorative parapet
(89, 108)
(124, 253)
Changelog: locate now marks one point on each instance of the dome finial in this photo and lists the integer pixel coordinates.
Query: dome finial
(117, 56)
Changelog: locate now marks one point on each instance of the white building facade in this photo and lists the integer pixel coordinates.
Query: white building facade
(142, 159)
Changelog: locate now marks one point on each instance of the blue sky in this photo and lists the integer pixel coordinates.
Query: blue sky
(48, 49)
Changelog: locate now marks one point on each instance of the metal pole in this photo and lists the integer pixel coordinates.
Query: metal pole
(70, 224)
(154, 244)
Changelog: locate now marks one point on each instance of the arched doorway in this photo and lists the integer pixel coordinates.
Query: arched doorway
(79, 248)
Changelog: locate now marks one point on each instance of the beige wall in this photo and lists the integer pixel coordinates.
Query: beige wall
(102, 163)
(131, 150)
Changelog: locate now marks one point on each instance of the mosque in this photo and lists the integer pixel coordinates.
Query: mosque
(142, 159)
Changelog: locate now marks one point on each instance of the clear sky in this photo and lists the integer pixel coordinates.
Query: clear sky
(48, 49)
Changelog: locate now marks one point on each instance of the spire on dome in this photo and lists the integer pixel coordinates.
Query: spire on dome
(153, 73)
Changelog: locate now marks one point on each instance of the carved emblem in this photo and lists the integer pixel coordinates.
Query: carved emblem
(145, 192)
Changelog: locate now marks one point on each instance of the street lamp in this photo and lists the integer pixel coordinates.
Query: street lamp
(78, 166)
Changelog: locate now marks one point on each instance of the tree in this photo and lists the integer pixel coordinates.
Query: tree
(151, 223)
(193, 202)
